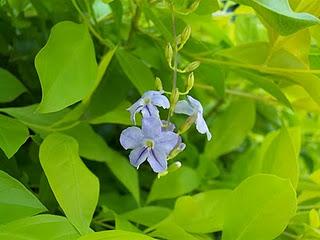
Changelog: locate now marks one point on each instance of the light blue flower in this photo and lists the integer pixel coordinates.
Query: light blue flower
(149, 143)
(147, 105)
(192, 107)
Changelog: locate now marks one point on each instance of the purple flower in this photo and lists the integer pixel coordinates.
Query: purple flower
(147, 105)
(149, 143)
(192, 107)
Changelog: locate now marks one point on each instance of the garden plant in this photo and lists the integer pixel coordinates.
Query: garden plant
(159, 119)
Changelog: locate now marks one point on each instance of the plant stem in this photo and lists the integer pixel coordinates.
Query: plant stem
(175, 60)
(175, 52)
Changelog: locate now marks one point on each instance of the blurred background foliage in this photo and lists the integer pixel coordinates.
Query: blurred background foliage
(259, 83)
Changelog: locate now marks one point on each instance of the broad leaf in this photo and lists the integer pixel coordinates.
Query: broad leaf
(93, 147)
(16, 201)
(230, 128)
(115, 235)
(207, 210)
(66, 61)
(280, 155)
(174, 184)
(12, 135)
(74, 186)
(39, 227)
(138, 73)
(147, 216)
(10, 87)
(259, 208)
(280, 16)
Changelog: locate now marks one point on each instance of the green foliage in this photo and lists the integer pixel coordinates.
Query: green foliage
(16, 201)
(10, 87)
(259, 208)
(74, 186)
(39, 227)
(13, 135)
(69, 47)
(70, 69)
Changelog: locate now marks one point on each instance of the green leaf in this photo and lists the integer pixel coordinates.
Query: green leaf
(138, 73)
(115, 235)
(39, 227)
(74, 186)
(207, 7)
(16, 201)
(231, 127)
(265, 83)
(120, 115)
(12, 135)
(259, 208)
(168, 229)
(174, 184)
(32, 118)
(207, 210)
(92, 146)
(280, 16)
(147, 216)
(10, 87)
(66, 61)
(281, 155)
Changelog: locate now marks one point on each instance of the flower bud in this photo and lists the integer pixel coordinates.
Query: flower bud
(161, 174)
(190, 81)
(158, 84)
(173, 101)
(194, 6)
(192, 66)
(187, 124)
(169, 53)
(185, 35)
(174, 166)
(178, 149)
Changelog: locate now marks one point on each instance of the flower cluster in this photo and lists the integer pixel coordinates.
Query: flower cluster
(156, 141)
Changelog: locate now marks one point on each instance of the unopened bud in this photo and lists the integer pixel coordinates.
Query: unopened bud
(178, 39)
(174, 166)
(178, 149)
(190, 81)
(194, 6)
(158, 84)
(161, 174)
(192, 66)
(187, 124)
(185, 35)
(169, 53)
(173, 101)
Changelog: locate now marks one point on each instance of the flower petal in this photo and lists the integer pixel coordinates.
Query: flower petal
(160, 101)
(184, 107)
(150, 94)
(134, 108)
(150, 111)
(202, 127)
(157, 160)
(167, 141)
(195, 104)
(138, 156)
(151, 127)
(167, 126)
(131, 138)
